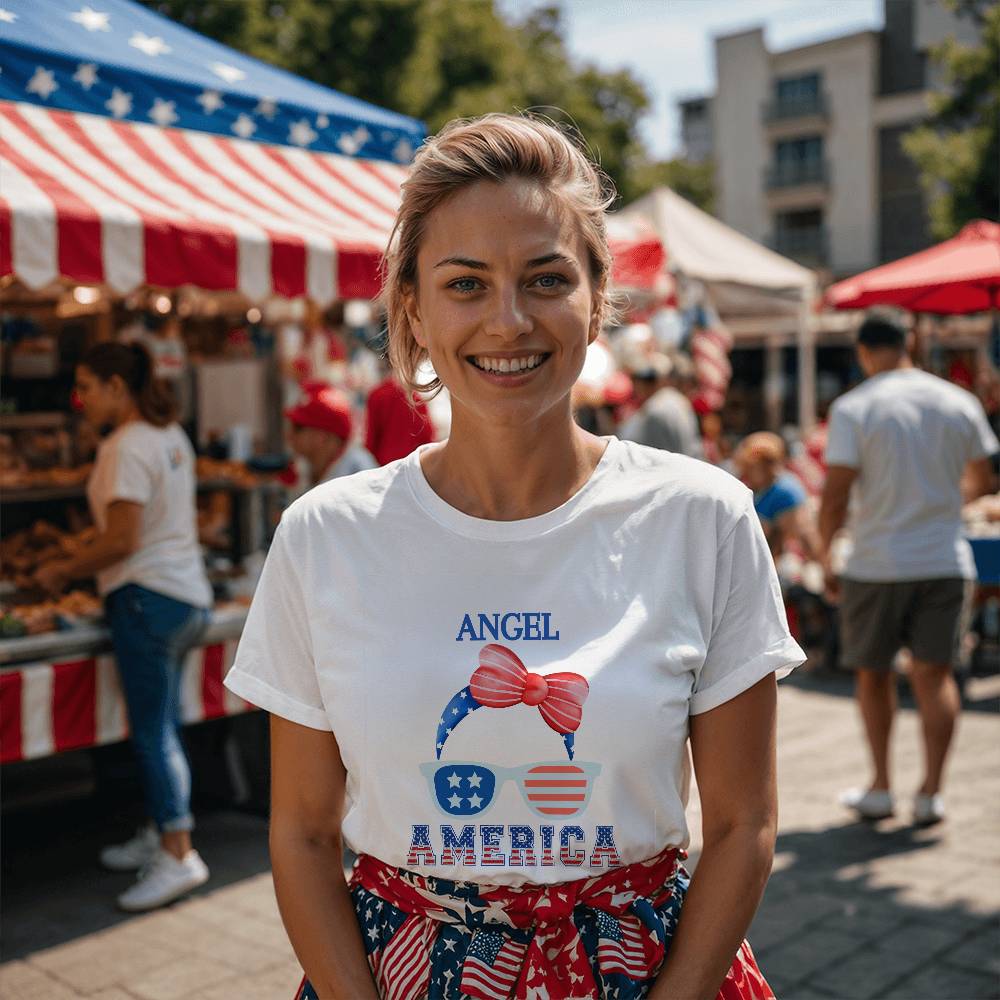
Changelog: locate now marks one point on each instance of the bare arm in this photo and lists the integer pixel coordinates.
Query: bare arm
(833, 506)
(118, 541)
(733, 748)
(978, 480)
(307, 801)
(798, 523)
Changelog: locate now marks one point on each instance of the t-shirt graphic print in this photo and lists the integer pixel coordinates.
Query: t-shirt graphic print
(553, 790)
(511, 699)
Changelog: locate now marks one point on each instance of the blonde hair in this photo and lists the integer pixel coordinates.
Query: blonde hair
(494, 147)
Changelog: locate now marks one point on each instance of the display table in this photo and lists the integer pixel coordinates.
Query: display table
(60, 691)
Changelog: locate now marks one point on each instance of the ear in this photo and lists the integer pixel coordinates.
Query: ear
(411, 306)
(594, 329)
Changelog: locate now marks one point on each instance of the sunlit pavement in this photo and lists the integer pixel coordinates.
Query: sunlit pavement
(853, 910)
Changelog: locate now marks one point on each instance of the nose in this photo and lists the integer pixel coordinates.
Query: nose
(509, 318)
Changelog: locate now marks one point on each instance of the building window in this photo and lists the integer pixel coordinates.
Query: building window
(800, 235)
(797, 89)
(903, 224)
(797, 161)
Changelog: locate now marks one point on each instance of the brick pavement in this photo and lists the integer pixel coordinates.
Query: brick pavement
(853, 910)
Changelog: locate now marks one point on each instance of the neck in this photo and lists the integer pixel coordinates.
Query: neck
(890, 362)
(128, 414)
(320, 464)
(511, 473)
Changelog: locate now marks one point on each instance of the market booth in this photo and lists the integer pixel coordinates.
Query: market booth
(145, 169)
(762, 298)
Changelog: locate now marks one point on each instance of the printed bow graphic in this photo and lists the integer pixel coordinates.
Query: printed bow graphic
(502, 680)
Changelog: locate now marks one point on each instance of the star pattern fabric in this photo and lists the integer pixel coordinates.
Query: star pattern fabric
(126, 61)
(603, 937)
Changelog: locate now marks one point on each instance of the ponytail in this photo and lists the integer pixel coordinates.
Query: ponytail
(133, 364)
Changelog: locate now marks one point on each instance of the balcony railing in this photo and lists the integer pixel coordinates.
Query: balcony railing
(785, 108)
(809, 245)
(794, 173)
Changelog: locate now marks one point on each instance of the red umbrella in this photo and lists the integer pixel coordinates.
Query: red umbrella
(961, 275)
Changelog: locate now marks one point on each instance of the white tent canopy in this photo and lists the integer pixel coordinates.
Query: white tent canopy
(743, 279)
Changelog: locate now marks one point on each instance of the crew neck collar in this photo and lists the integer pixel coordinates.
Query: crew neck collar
(477, 527)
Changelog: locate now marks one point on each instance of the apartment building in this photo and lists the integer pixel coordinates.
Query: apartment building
(806, 142)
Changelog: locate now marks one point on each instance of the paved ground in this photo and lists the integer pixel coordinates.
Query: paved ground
(852, 911)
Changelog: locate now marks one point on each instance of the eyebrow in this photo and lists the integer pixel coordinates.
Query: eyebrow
(478, 265)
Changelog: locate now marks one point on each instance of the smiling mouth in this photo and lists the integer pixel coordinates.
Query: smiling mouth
(507, 366)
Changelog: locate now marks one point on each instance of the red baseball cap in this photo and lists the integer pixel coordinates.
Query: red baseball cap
(326, 409)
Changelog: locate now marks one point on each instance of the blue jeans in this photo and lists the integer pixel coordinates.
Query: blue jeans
(151, 633)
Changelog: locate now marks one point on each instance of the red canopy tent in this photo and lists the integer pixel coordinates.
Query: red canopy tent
(961, 275)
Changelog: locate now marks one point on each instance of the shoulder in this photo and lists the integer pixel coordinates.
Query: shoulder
(679, 486)
(343, 502)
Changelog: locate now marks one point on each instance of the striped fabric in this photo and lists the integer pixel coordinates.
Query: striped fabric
(46, 708)
(601, 937)
(101, 201)
(125, 204)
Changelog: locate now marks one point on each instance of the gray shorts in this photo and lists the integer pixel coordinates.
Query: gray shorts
(929, 617)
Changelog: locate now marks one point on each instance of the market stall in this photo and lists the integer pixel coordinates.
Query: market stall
(756, 293)
(271, 201)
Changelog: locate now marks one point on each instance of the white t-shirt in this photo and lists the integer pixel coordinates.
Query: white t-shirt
(153, 466)
(910, 434)
(384, 614)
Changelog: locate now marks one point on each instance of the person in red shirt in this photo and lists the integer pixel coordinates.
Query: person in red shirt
(395, 426)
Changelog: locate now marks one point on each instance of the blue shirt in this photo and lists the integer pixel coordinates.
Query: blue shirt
(785, 494)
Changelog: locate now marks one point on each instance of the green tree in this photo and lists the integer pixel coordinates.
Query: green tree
(958, 148)
(694, 181)
(435, 60)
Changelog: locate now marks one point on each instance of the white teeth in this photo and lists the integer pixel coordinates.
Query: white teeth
(508, 365)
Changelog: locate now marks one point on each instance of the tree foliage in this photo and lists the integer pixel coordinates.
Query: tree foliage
(435, 60)
(958, 148)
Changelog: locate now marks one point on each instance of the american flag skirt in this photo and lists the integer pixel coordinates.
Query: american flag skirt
(601, 937)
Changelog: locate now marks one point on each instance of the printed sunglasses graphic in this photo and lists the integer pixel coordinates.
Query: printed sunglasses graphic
(548, 788)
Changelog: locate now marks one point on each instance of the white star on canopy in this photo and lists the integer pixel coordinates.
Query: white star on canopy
(42, 83)
(152, 45)
(92, 20)
(231, 74)
(163, 112)
(266, 107)
(86, 75)
(301, 134)
(322, 121)
(119, 104)
(210, 100)
(244, 126)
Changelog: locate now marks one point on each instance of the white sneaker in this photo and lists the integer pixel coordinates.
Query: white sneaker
(163, 880)
(873, 804)
(134, 853)
(928, 809)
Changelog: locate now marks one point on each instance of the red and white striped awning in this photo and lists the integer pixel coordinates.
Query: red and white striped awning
(100, 201)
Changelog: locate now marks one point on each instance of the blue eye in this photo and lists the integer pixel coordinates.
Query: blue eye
(550, 280)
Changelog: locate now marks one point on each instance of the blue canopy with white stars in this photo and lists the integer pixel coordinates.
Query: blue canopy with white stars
(117, 59)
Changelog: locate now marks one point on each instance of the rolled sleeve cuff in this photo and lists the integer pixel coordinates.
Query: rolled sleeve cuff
(781, 659)
(255, 691)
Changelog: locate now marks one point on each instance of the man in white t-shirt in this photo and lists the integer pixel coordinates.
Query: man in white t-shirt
(902, 440)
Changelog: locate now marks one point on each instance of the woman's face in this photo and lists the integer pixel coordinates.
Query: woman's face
(504, 302)
(100, 400)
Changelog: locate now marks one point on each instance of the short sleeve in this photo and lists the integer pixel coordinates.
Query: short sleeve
(984, 441)
(133, 475)
(274, 666)
(843, 446)
(750, 637)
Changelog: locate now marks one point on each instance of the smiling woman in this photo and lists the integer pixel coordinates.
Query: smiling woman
(655, 615)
